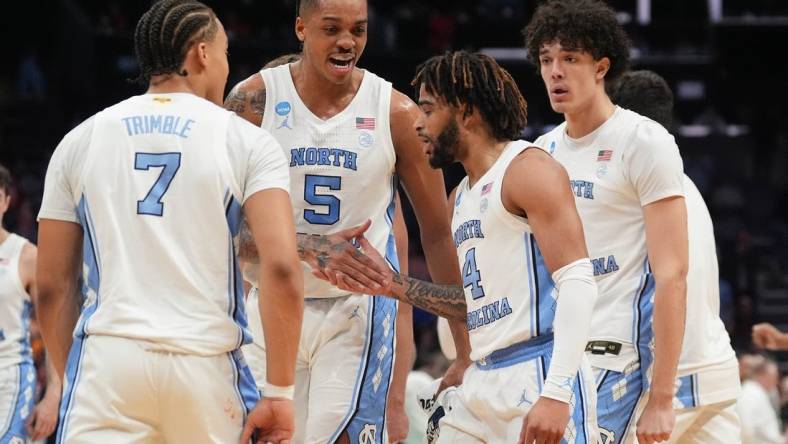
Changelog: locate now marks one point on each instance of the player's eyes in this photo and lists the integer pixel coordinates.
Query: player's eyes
(544, 61)
(359, 31)
(330, 30)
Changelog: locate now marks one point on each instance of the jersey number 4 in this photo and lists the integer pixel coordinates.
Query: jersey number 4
(471, 276)
(169, 163)
(311, 196)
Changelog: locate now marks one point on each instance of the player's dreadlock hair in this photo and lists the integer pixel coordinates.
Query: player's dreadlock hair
(6, 182)
(478, 81)
(579, 25)
(166, 32)
(646, 93)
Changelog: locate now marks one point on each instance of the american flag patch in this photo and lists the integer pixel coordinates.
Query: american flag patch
(486, 188)
(367, 123)
(604, 155)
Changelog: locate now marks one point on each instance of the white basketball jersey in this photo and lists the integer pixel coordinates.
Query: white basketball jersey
(341, 169)
(706, 352)
(625, 164)
(510, 294)
(157, 183)
(15, 305)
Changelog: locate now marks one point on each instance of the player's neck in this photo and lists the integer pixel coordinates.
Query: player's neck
(170, 84)
(324, 98)
(4, 234)
(482, 157)
(588, 118)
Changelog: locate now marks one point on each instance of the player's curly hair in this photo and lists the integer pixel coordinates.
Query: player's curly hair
(584, 25)
(476, 80)
(6, 182)
(165, 33)
(646, 93)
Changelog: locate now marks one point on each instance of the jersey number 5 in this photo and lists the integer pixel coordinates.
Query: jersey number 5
(311, 182)
(169, 163)
(471, 276)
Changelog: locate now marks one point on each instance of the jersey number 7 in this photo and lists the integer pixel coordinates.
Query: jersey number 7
(169, 163)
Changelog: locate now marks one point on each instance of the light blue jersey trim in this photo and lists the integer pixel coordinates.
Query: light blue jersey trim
(517, 353)
(21, 406)
(91, 283)
(24, 344)
(244, 383)
(687, 393)
(541, 287)
(545, 287)
(361, 371)
(367, 414)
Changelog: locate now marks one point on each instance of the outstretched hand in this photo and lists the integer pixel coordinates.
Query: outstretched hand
(357, 269)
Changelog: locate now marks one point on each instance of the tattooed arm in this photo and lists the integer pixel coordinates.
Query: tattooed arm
(439, 299)
(334, 251)
(247, 99)
(445, 300)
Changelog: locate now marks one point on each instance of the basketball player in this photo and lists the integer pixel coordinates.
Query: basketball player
(528, 288)
(405, 352)
(626, 175)
(20, 418)
(708, 371)
(156, 184)
(346, 132)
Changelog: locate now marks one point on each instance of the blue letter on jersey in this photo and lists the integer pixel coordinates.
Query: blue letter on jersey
(311, 182)
(170, 162)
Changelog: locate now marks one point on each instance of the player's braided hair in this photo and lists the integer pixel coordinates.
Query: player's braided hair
(165, 33)
(478, 81)
(5, 180)
(582, 25)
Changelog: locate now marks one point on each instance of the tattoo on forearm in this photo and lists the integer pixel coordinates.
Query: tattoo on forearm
(443, 300)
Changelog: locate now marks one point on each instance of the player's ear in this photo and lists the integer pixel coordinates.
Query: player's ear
(602, 67)
(299, 29)
(199, 53)
(468, 114)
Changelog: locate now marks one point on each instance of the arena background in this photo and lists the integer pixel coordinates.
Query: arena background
(725, 61)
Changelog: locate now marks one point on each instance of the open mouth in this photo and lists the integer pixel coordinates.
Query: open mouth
(341, 63)
(558, 91)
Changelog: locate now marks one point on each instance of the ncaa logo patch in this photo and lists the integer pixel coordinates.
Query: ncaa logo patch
(365, 139)
(283, 108)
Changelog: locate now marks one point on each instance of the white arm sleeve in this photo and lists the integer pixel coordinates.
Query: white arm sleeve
(577, 294)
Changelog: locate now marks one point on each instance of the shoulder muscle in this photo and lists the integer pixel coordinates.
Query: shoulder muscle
(247, 99)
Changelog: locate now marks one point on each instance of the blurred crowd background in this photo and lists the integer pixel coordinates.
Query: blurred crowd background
(724, 59)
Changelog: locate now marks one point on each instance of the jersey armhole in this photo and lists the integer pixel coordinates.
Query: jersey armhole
(384, 111)
(20, 286)
(268, 109)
